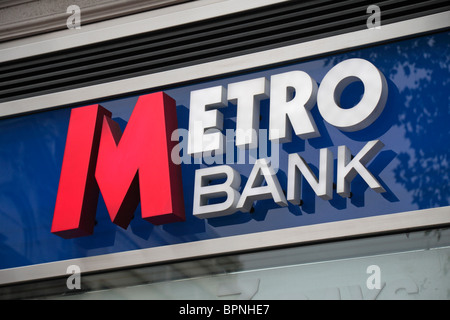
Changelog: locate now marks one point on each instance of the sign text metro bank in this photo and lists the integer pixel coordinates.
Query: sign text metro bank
(139, 165)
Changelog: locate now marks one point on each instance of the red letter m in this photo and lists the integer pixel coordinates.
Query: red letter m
(127, 168)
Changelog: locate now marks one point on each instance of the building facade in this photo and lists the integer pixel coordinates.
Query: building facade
(221, 149)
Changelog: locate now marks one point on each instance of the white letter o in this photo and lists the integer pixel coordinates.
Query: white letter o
(371, 104)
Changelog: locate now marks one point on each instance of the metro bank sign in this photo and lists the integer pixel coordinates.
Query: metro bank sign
(139, 165)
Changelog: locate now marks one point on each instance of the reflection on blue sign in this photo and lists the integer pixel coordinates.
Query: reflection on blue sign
(413, 167)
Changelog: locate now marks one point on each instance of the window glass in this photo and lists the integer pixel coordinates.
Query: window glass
(402, 266)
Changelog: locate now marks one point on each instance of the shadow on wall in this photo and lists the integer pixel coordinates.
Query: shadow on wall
(424, 118)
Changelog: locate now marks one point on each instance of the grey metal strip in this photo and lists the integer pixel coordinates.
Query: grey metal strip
(195, 43)
(419, 219)
(196, 72)
(126, 26)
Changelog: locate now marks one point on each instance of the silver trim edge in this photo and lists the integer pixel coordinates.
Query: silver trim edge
(405, 221)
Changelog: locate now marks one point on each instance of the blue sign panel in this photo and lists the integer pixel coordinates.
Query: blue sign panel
(412, 167)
